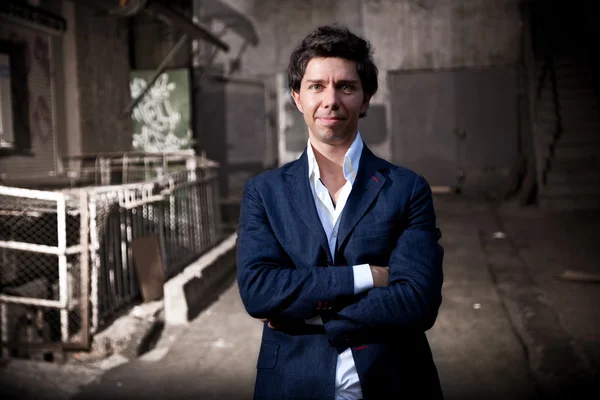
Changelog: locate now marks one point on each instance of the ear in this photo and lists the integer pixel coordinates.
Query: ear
(365, 103)
(296, 97)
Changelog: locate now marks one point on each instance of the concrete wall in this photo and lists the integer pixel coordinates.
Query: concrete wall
(420, 34)
(103, 75)
(406, 35)
(83, 78)
(34, 104)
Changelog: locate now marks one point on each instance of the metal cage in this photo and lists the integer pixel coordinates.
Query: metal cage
(66, 254)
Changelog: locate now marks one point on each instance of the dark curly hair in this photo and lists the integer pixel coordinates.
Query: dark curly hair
(334, 41)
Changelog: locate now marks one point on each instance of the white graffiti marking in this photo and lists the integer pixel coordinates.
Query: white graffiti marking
(156, 117)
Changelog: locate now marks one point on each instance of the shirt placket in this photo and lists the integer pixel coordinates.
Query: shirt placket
(329, 213)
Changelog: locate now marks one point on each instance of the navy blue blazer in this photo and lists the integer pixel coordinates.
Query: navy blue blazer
(286, 272)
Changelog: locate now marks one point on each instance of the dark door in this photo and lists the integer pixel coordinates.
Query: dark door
(424, 117)
(246, 132)
(231, 128)
(447, 124)
(487, 117)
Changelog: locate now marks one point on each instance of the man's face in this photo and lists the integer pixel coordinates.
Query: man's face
(331, 98)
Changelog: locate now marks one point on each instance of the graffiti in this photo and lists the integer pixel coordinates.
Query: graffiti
(41, 53)
(158, 123)
(42, 119)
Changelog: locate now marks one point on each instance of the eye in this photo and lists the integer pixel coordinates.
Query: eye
(347, 88)
(315, 86)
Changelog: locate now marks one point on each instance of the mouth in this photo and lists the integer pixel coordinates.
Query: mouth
(330, 120)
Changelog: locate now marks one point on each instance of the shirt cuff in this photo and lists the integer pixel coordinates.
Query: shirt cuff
(363, 278)
(314, 320)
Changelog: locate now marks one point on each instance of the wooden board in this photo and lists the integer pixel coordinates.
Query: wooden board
(149, 266)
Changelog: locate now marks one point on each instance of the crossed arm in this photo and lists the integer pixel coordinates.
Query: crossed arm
(273, 289)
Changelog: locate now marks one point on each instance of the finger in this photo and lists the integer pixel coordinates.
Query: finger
(273, 325)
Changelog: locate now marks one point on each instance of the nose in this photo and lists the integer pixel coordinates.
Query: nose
(330, 99)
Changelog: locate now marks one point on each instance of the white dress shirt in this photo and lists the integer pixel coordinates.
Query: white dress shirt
(347, 384)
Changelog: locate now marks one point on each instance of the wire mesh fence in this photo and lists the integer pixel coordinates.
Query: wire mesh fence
(67, 257)
(41, 268)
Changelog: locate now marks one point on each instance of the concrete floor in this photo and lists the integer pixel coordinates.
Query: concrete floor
(508, 328)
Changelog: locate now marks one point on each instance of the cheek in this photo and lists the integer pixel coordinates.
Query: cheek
(359, 106)
(309, 108)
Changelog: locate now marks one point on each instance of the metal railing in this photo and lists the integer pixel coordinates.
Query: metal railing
(67, 256)
(541, 76)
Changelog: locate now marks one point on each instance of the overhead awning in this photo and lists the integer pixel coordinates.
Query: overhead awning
(161, 10)
(33, 17)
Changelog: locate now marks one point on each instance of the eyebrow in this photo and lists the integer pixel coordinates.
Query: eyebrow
(340, 82)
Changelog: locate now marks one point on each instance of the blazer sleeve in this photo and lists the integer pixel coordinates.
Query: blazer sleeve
(413, 297)
(270, 284)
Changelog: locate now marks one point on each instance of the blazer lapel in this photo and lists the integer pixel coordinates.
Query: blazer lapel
(297, 188)
(369, 182)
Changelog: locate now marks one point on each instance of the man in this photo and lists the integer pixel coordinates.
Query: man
(338, 251)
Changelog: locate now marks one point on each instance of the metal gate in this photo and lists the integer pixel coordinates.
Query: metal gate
(44, 270)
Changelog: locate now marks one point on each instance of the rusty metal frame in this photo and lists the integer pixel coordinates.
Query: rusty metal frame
(61, 251)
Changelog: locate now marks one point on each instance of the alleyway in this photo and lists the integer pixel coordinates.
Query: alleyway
(508, 327)
(141, 120)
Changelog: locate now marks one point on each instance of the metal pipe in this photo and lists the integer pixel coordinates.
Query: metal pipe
(3, 326)
(131, 278)
(27, 301)
(187, 25)
(84, 270)
(94, 256)
(38, 248)
(63, 273)
(30, 193)
(129, 204)
(125, 265)
(117, 255)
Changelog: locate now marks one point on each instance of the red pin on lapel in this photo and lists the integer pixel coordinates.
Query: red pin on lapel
(375, 179)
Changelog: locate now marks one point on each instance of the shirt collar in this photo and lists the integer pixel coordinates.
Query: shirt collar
(351, 160)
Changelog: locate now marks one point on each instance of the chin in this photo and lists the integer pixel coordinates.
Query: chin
(335, 138)
(331, 136)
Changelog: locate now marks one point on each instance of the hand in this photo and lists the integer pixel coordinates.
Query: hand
(272, 324)
(381, 276)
